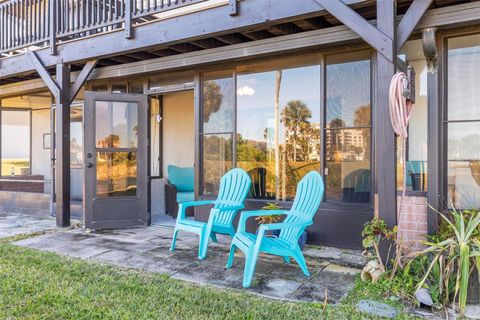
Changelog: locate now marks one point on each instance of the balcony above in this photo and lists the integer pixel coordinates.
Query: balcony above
(39, 23)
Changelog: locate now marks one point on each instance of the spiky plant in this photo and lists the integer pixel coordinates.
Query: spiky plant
(456, 256)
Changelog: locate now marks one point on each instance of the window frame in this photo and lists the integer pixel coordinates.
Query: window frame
(442, 160)
(364, 207)
(29, 110)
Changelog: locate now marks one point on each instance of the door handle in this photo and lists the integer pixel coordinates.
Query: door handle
(89, 165)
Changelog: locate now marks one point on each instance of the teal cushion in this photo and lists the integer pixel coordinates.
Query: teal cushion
(182, 178)
(185, 196)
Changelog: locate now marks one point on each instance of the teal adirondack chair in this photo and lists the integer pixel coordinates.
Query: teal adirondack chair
(234, 187)
(306, 203)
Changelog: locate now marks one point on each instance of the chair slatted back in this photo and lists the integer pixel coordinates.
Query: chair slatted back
(234, 187)
(308, 197)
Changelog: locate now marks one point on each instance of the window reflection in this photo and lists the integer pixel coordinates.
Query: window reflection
(347, 128)
(217, 159)
(218, 102)
(116, 124)
(278, 128)
(116, 174)
(463, 182)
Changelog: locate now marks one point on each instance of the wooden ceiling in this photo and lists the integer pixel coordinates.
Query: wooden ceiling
(322, 20)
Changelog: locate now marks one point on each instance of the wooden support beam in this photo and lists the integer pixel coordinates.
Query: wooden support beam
(62, 146)
(43, 73)
(410, 20)
(234, 7)
(385, 146)
(128, 19)
(436, 149)
(373, 36)
(82, 77)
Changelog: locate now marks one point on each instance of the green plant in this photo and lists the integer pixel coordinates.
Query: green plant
(270, 218)
(453, 253)
(373, 233)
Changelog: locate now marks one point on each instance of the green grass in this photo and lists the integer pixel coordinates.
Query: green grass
(38, 285)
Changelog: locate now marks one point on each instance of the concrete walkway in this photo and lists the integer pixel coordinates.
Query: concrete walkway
(18, 221)
(147, 249)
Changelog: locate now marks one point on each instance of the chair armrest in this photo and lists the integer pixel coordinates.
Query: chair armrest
(184, 205)
(231, 208)
(284, 225)
(248, 214)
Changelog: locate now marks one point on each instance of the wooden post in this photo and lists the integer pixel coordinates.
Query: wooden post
(385, 145)
(53, 27)
(435, 127)
(128, 19)
(62, 146)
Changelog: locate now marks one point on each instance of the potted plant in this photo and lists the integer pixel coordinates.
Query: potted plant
(276, 218)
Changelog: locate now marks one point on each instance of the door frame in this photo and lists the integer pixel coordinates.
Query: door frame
(90, 199)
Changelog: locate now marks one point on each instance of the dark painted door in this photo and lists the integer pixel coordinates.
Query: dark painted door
(115, 175)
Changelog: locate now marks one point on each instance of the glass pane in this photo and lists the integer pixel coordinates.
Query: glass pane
(100, 87)
(76, 135)
(278, 139)
(15, 142)
(116, 124)
(217, 160)
(417, 144)
(464, 78)
(155, 137)
(464, 165)
(218, 102)
(348, 165)
(135, 87)
(116, 174)
(348, 93)
(169, 79)
(119, 88)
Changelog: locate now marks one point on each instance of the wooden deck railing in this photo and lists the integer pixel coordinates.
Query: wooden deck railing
(25, 23)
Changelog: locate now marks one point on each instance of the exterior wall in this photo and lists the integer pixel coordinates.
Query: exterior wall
(412, 221)
(178, 130)
(40, 156)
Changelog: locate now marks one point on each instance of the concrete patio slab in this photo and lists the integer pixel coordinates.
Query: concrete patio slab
(148, 249)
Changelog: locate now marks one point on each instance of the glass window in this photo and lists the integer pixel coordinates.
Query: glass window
(416, 144)
(102, 87)
(347, 128)
(218, 102)
(119, 88)
(76, 135)
(15, 142)
(170, 79)
(135, 87)
(116, 124)
(217, 159)
(217, 129)
(463, 123)
(116, 174)
(278, 126)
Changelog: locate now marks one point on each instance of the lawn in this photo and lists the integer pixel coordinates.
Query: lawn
(38, 285)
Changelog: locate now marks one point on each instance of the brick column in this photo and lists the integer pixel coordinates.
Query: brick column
(412, 221)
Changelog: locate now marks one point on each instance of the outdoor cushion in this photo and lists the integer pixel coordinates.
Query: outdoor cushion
(182, 178)
(185, 196)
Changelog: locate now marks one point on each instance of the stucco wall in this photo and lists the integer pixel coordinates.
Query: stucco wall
(40, 157)
(178, 130)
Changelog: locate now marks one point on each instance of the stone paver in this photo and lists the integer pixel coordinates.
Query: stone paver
(15, 223)
(148, 249)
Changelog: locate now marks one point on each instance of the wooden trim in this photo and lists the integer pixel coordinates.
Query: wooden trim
(385, 142)
(81, 78)
(43, 73)
(410, 20)
(373, 36)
